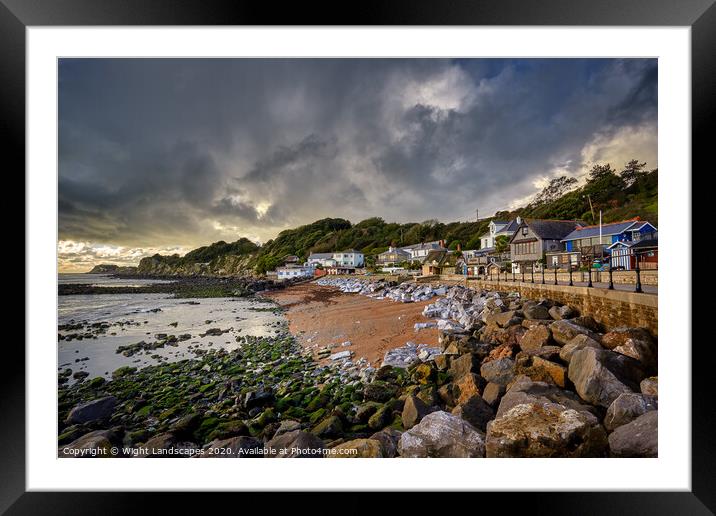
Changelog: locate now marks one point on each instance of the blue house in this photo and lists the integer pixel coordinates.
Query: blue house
(586, 239)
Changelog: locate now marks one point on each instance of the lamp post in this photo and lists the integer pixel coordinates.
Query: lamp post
(542, 267)
(571, 284)
(590, 275)
(638, 274)
(532, 271)
(555, 273)
(611, 279)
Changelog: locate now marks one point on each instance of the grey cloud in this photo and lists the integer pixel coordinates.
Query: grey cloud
(183, 152)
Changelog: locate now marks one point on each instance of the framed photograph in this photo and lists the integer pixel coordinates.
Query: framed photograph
(423, 238)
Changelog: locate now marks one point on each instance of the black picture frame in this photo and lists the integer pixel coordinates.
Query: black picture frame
(17, 15)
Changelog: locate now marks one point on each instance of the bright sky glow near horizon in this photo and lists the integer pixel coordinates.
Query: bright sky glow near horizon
(164, 155)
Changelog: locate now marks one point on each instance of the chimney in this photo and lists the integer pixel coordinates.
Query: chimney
(442, 243)
(519, 220)
(459, 247)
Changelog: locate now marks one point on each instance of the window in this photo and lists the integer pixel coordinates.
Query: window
(525, 230)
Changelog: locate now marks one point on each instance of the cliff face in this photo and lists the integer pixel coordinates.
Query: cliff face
(226, 265)
(108, 268)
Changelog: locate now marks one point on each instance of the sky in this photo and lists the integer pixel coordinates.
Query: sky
(165, 155)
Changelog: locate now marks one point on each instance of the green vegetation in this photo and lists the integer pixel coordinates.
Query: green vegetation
(620, 195)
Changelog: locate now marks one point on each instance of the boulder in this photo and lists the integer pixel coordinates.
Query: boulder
(523, 390)
(536, 337)
(640, 349)
(441, 434)
(468, 385)
(579, 342)
(162, 445)
(382, 418)
(442, 361)
(413, 411)
(505, 319)
(545, 430)
(286, 426)
(650, 386)
(92, 444)
(389, 438)
(589, 322)
(627, 407)
(535, 311)
(540, 370)
(618, 336)
(357, 449)
(475, 411)
(563, 331)
(379, 391)
(500, 371)
(366, 410)
(241, 447)
(492, 393)
(467, 363)
(295, 444)
(331, 427)
(600, 376)
(640, 438)
(99, 409)
(562, 312)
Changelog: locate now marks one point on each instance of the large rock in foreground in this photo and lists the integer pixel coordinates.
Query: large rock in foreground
(545, 430)
(640, 438)
(600, 376)
(441, 434)
(565, 330)
(524, 390)
(94, 410)
(357, 449)
(295, 444)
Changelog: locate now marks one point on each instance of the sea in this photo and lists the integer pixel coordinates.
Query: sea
(139, 317)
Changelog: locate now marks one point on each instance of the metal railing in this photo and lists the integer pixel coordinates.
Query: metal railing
(629, 268)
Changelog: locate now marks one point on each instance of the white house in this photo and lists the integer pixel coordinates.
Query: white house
(499, 228)
(294, 271)
(322, 259)
(349, 258)
(418, 252)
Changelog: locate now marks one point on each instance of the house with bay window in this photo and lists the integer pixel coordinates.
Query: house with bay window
(536, 237)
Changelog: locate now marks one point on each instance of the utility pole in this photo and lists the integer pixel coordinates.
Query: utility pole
(477, 215)
(591, 208)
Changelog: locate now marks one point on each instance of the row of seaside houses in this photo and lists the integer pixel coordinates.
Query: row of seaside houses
(533, 243)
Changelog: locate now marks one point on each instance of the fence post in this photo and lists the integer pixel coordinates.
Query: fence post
(555, 274)
(590, 276)
(532, 272)
(523, 273)
(638, 275)
(571, 284)
(542, 267)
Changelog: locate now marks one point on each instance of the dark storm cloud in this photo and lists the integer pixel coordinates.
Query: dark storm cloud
(180, 152)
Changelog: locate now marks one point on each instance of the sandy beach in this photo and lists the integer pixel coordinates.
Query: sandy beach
(320, 316)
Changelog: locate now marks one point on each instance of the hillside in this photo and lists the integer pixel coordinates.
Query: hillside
(620, 195)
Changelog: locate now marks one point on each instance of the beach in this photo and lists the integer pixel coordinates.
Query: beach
(322, 316)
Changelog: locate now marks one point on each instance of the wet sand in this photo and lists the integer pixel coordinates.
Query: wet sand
(320, 316)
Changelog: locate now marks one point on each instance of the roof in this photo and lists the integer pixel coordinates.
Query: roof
(511, 227)
(348, 251)
(646, 243)
(552, 229)
(613, 228)
(320, 256)
(436, 255)
(394, 250)
(424, 245)
(501, 222)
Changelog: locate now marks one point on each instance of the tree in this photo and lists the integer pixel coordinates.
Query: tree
(632, 171)
(453, 245)
(502, 243)
(556, 188)
(600, 172)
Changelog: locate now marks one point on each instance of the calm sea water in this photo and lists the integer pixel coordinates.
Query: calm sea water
(141, 321)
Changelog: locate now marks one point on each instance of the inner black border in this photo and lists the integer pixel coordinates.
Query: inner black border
(16, 15)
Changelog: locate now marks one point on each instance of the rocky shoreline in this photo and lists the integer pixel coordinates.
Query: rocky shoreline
(510, 378)
(181, 287)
